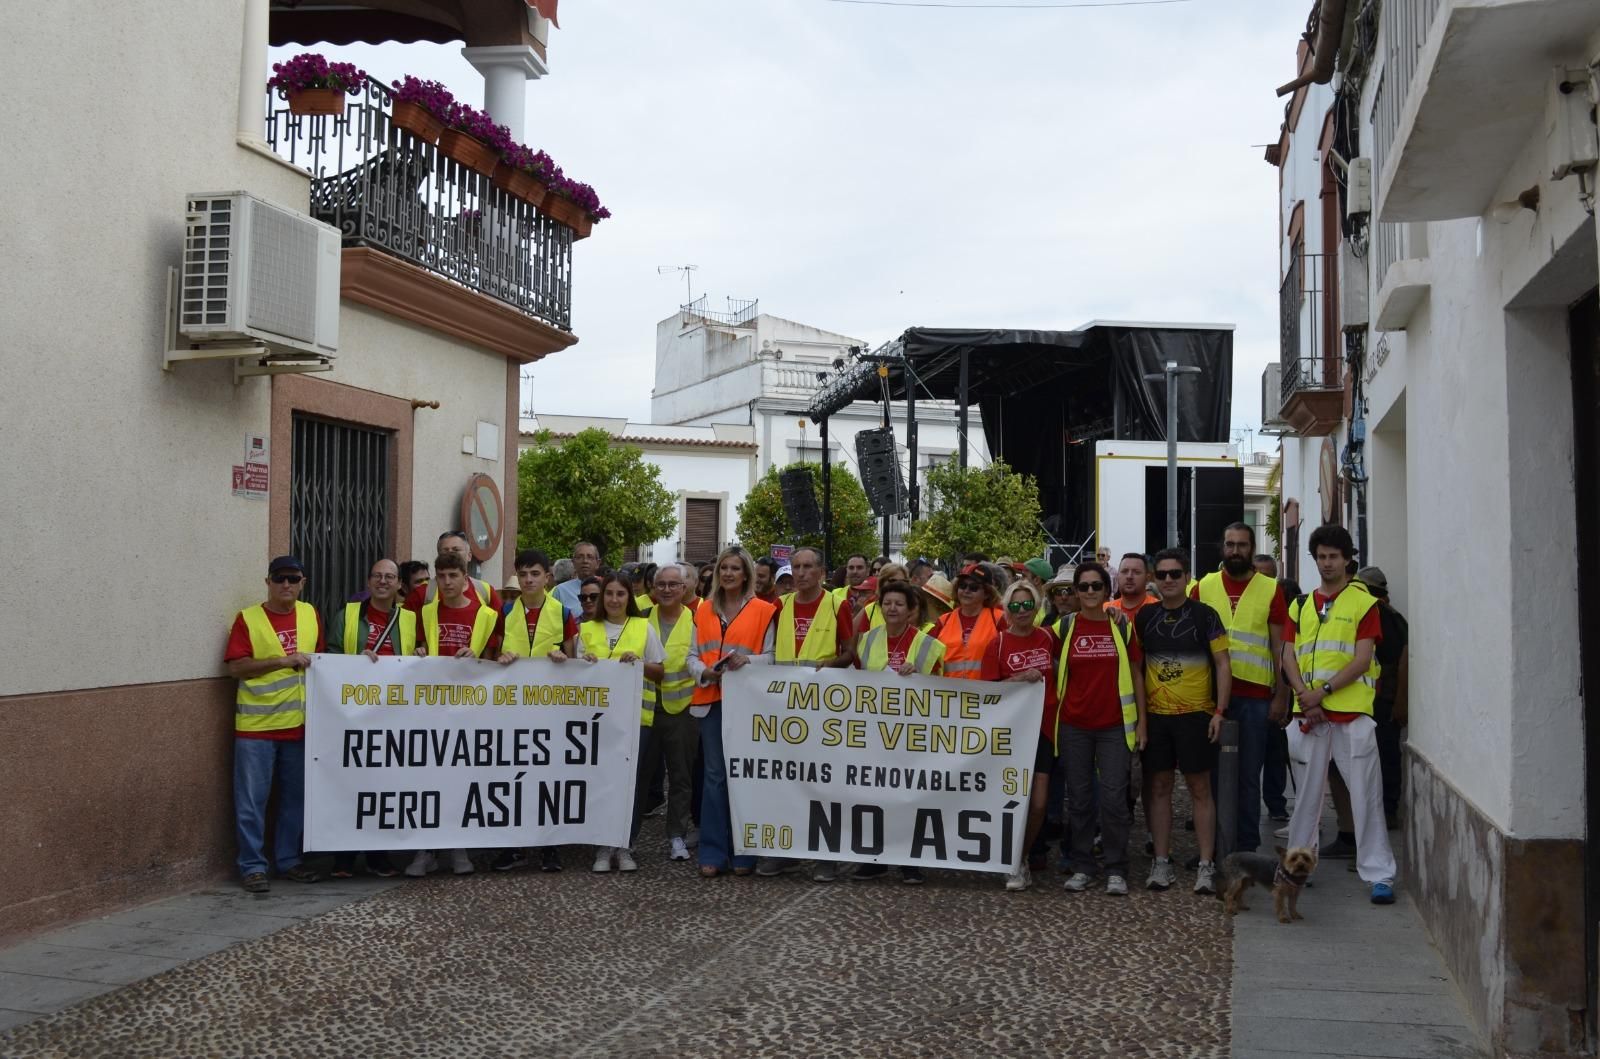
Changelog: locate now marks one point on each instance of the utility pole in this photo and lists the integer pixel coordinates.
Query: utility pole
(1170, 376)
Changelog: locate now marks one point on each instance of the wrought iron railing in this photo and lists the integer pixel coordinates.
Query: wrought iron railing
(1308, 360)
(740, 311)
(1403, 27)
(1388, 246)
(384, 188)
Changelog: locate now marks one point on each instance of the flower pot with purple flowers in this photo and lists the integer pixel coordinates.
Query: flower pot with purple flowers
(472, 139)
(420, 107)
(313, 85)
(576, 205)
(527, 174)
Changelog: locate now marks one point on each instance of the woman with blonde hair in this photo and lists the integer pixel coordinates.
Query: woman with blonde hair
(732, 628)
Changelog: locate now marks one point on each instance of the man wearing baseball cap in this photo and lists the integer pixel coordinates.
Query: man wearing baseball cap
(268, 651)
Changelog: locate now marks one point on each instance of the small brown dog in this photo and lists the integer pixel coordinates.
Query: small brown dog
(1286, 875)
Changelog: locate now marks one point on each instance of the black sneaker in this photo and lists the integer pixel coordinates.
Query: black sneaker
(1338, 849)
(550, 859)
(508, 859)
(872, 871)
(912, 876)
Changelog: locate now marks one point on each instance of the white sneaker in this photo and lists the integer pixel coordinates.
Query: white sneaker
(1020, 879)
(460, 863)
(1282, 832)
(602, 859)
(1161, 874)
(1205, 878)
(1116, 886)
(422, 864)
(680, 849)
(1076, 883)
(625, 861)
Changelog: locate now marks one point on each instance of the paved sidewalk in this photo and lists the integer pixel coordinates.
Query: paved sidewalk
(60, 969)
(1350, 979)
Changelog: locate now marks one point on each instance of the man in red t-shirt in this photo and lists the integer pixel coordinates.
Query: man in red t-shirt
(269, 647)
(457, 615)
(806, 565)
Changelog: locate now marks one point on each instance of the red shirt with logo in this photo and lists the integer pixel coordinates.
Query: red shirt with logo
(1093, 702)
(806, 613)
(455, 628)
(1010, 654)
(377, 622)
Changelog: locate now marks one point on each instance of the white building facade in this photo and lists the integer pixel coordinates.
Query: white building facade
(708, 469)
(1438, 383)
(748, 368)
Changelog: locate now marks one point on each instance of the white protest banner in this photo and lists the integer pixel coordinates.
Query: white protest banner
(448, 753)
(837, 764)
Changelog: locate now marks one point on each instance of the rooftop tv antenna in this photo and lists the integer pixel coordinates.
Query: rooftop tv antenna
(688, 277)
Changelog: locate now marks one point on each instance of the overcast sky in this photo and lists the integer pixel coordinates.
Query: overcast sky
(865, 169)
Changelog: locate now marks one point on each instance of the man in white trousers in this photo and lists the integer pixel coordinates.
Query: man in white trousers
(1332, 669)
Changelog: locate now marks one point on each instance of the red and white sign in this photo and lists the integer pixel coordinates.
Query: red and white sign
(253, 477)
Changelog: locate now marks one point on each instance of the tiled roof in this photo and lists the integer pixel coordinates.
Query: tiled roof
(699, 443)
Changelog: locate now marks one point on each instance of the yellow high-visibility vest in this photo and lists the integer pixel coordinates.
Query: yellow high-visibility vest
(822, 638)
(925, 653)
(548, 634)
(275, 700)
(1125, 695)
(1248, 622)
(354, 640)
(631, 640)
(677, 684)
(482, 628)
(1323, 646)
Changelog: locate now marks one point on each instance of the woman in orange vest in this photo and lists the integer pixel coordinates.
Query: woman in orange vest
(732, 628)
(967, 631)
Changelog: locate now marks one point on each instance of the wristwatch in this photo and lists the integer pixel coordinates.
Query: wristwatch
(1327, 687)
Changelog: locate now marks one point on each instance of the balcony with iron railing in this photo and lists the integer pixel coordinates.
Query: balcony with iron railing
(386, 190)
(1312, 368)
(1463, 85)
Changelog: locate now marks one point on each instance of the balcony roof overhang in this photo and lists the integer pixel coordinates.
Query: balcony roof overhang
(477, 23)
(1476, 100)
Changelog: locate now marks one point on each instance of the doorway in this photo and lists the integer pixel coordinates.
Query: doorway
(339, 502)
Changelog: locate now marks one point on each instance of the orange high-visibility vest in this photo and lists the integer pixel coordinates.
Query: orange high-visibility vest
(745, 635)
(964, 661)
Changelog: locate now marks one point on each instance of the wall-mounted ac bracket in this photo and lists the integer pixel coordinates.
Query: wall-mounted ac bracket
(249, 358)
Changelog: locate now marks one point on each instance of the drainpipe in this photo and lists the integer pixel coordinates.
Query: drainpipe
(1324, 49)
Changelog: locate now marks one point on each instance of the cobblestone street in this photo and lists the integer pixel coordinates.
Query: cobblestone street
(662, 962)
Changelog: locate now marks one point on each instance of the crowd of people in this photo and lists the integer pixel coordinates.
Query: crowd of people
(1140, 668)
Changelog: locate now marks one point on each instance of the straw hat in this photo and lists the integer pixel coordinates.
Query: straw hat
(939, 592)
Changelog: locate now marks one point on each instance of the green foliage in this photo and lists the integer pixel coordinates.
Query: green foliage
(762, 522)
(588, 488)
(1275, 505)
(992, 510)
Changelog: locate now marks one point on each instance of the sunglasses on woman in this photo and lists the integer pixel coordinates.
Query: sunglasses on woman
(1021, 606)
(1091, 586)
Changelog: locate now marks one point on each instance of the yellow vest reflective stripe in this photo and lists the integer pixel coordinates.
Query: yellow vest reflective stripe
(482, 628)
(547, 635)
(354, 640)
(1130, 704)
(1248, 623)
(822, 637)
(924, 652)
(631, 639)
(275, 700)
(677, 684)
(1323, 646)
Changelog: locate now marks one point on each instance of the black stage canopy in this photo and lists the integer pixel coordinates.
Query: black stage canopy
(1047, 396)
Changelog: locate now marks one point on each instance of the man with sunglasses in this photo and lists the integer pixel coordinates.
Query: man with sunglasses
(268, 650)
(1252, 608)
(1185, 647)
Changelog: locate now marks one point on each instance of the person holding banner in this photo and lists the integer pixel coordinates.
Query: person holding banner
(1100, 688)
(1025, 652)
(868, 616)
(814, 628)
(967, 631)
(267, 654)
(379, 626)
(674, 741)
(619, 633)
(731, 629)
(455, 624)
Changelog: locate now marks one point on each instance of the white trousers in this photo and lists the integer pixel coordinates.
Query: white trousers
(1354, 748)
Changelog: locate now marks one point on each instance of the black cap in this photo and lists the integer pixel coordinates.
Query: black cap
(285, 562)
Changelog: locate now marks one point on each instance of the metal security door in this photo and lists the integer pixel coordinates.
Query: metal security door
(338, 508)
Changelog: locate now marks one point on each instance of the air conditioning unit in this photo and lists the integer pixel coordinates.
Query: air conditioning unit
(1272, 421)
(258, 274)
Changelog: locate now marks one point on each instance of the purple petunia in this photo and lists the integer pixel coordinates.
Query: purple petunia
(429, 95)
(310, 70)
